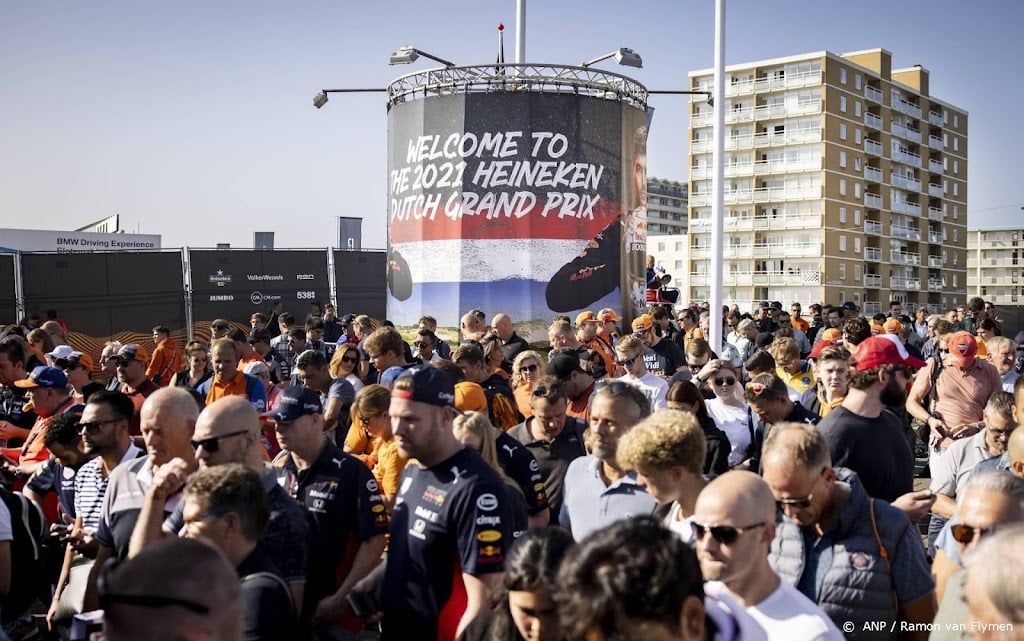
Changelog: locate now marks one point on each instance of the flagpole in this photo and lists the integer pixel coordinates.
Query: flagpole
(520, 32)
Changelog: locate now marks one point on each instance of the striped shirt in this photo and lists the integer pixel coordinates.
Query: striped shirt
(91, 486)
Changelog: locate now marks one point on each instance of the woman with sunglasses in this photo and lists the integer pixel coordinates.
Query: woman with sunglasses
(730, 412)
(524, 608)
(526, 370)
(345, 364)
(371, 441)
(197, 367)
(493, 356)
(686, 397)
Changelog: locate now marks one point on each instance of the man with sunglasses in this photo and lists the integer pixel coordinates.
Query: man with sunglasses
(661, 357)
(78, 368)
(131, 361)
(734, 526)
(553, 437)
(228, 431)
(597, 490)
(105, 434)
(858, 558)
(630, 354)
(425, 346)
(992, 500)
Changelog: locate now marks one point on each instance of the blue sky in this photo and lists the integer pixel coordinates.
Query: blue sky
(194, 120)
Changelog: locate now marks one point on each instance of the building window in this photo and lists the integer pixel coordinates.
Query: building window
(842, 215)
(956, 213)
(956, 189)
(856, 163)
(842, 75)
(856, 190)
(856, 217)
(945, 117)
(856, 136)
(956, 167)
(842, 271)
(842, 186)
(842, 246)
(945, 140)
(842, 131)
(956, 239)
(956, 121)
(842, 159)
(956, 144)
(842, 104)
(856, 80)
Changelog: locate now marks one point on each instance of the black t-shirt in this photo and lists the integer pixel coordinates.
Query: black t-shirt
(345, 508)
(449, 519)
(268, 613)
(664, 358)
(520, 465)
(875, 448)
(12, 408)
(553, 457)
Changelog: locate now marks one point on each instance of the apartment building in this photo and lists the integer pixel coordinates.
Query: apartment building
(995, 264)
(672, 252)
(845, 180)
(666, 207)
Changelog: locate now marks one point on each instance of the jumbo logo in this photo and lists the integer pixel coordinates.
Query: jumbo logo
(488, 536)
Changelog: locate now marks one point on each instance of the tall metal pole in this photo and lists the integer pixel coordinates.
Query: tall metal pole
(520, 32)
(718, 182)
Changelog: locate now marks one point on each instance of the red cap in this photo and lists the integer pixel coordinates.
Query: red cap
(884, 349)
(963, 347)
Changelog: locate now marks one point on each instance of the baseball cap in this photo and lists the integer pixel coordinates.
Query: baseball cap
(884, 349)
(61, 352)
(832, 334)
(257, 335)
(44, 376)
(850, 305)
(76, 358)
(256, 368)
(776, 304)
(295, 402)
(963, 348)
(876, 329)
(643, 322)
(585, 317)
(892, 326)
(132, 352)
(819, 346)
(562, 366)
(608, 314)
(429, 385)
(763, 305)
(390, 375)
(470, 397)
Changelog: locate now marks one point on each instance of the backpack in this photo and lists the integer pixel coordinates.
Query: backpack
(27, 573)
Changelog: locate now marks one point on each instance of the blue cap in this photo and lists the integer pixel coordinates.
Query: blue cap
(387, 379)
(295, 402)
(44, 376)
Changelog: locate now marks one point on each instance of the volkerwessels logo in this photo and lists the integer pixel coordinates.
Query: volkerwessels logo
(220, 298)
(304, 277)
(220, 278)
(260, 277)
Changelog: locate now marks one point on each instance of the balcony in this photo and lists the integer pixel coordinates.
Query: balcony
(903, 282)
(935, 143)
(873, 201)
(698, 278)
(934, 213)
(873, 94)
(934, 285)
(906, 157)
(870, 307)
(934, 237)
(872, 174)
(872, 147)
(748, 141)
(873, 227)
(935, 191)
(905, 258)
(905, 182)
(873, 254)
(906, 132)
(935, 118)
(703, 145)
(935, 166)
(873, 121)
(935, 261)
(906, 232)
(874, 281)
(700, 252)
(771, 279)
(772, 83)
(905, 107)
(759, 195)
(906, 207)
(758, 168)
(791, 250)
(761, 112)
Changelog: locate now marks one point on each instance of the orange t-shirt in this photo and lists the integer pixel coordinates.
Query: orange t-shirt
(165, 362)
(34, 450)
(234, 387)
(801, 324)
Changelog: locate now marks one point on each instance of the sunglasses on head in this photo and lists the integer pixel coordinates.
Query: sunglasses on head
(727, 534)
(967, 533)
(212, 444)
(728, 380)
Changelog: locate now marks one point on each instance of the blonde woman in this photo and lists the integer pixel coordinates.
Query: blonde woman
(526, 371)
(475, 431)
(345, 364)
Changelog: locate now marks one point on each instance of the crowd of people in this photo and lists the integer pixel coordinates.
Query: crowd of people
(326, 479)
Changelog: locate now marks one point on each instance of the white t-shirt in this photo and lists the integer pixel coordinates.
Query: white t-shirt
(681, 527)
(787, 615)
(654, 388)
(734, 422)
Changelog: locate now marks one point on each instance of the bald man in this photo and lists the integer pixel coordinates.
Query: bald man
(734, 524)
(471, 327)
(511, 343)
(228, 431)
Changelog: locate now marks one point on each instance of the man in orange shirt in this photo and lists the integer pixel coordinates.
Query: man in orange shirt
(50, 395)
(228, 380)
(794, 316)
(166, 359)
